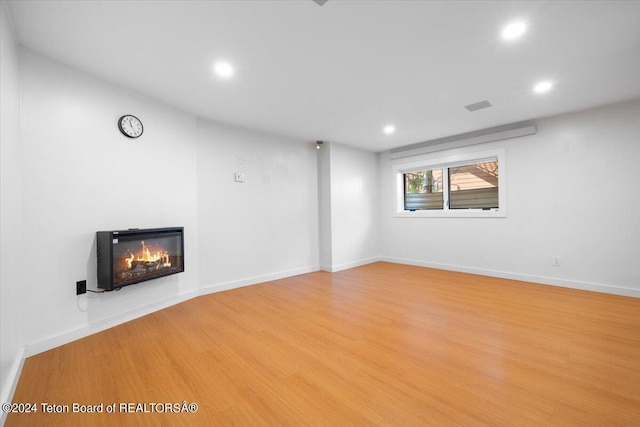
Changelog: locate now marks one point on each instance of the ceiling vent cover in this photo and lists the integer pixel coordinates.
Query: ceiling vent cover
(478, 106)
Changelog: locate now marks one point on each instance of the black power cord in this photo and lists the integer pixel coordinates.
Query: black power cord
(104, 290)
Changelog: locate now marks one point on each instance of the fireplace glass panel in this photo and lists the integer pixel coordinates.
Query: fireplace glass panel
(133, 256)
(144, 258)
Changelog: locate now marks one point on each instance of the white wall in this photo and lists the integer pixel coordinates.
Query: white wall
(354, 203)
(264, 227)
(80, 175)
(67, 172)
(324, 206)
(572, 192)
(349, 202)
(11, 297)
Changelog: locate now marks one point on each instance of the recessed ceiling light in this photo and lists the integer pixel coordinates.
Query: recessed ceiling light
(223, 69)
(514, 30)
(543, 86)
(389, 129)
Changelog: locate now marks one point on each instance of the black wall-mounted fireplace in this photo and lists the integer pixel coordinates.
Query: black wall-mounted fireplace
(132, 256)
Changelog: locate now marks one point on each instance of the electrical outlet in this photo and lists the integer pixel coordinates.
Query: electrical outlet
(239, 177)
(555, 261)
(81, 287)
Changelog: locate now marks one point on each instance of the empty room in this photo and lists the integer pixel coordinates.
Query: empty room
(320, 212)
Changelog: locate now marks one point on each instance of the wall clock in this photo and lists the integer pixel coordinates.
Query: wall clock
(130, 126)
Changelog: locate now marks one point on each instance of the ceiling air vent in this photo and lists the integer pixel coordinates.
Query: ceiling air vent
(478, 106)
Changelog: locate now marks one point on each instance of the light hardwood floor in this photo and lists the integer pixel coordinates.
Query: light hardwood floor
(381, 344)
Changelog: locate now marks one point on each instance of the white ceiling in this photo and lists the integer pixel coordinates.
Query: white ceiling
(342, 71)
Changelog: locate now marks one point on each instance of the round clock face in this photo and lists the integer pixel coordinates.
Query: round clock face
(130, 126)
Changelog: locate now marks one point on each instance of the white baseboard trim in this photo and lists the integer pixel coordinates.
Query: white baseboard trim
(348, 265)
(325, 267)
(103, 324)
(100, 325)
(10, 384)
(225, 286)
(552, 281)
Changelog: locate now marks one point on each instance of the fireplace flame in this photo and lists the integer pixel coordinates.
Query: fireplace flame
(154, 254)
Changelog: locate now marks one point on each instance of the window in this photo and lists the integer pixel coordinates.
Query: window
(454, 185)
(474, 186)
(423, 189)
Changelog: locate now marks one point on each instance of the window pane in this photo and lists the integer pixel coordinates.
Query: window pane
(423, 189)
(474, 186)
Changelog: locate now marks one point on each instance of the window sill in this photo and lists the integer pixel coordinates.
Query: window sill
(462, 213)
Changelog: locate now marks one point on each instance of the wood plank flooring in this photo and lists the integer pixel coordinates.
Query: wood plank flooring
(382, 344)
